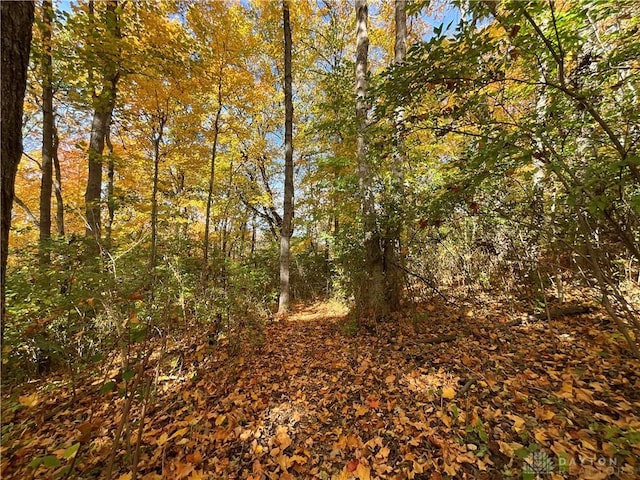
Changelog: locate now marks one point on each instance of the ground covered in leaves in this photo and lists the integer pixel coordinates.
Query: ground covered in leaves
(440, 393)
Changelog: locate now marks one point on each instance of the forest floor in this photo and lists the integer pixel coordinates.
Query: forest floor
(442, 392)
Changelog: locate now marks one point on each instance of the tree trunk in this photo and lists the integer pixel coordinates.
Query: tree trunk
(214, 151)
(104, 103)
(157, 140)
(254, 229)
(17, 21)
(58, 185)
(99, 127)
(392, 245)
(46, 184)
(400, 46)
(111, 204)
(226, 225)
(286, 229)
(371, 289)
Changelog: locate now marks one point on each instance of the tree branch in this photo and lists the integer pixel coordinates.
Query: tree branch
(27, 211)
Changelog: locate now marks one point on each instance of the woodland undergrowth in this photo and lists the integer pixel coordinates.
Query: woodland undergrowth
(469, 391)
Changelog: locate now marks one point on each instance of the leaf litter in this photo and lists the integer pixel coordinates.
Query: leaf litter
(437, 393)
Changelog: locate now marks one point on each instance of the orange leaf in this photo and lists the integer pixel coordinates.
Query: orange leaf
(282, 438)
(28, 400)
(363, 472)
(163, 439)
(136, 296)
(183, 469)
(195, 457)
(448, 393)
(85, 432)
(373, 402)
(180, 433)
(361, 410)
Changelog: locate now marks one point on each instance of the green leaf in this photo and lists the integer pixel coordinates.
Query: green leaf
(138, 332)
(51, 461)
(71, 451)
(127, 374)
(35, 463)
(455, 411)
(107, 387)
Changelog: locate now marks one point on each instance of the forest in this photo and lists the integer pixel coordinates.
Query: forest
(323, 239)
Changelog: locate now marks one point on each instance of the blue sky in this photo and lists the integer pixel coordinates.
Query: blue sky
(64, 5)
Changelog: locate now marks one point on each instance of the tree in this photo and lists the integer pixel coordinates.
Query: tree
(541, 98)
(158, 127)
(17, 21)
(393, 273)
(48, 154)
(371, 288)
(57, 185)
(212, 173)
(287, 216)
(104, 100)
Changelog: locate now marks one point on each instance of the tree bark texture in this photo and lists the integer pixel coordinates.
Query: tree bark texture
(371, 288)
(104, 103)
(46, 184)
(111, 202)
(392, 249)
(286, 229)
(212, 176)
(58, 185)
(17, 21)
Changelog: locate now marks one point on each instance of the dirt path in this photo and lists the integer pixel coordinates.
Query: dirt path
(311, 400)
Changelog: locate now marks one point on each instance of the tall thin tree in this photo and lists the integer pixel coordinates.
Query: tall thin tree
(57, 185)
(371, 288)
(104, 100)
(46, 184)
(212, 176)
(286, 229)
(15, 30)
(393, 274)
(160, 119)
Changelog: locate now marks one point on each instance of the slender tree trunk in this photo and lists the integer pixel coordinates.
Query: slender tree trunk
(17, 21)
(46, 184)
(92, 196)
(371, 288)
(286, 229)
(185, 228)
(57, 185)
(104, 103)
(400, 45)
(243, 240)
(157, 140)
(392, 246)
(254, 230)
(214, 151)
(111, 204)
(27, 211)
(226, 230)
